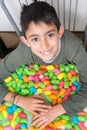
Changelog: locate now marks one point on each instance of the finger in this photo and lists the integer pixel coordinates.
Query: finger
(42, 106)
(38, 96)
(41, 113)
(43, 125)
(34, 122)
(38, 100)
(41, 110)
(34, 113)
(36, 117)
(38, 110)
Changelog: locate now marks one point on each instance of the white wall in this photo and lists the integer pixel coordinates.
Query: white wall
(4, 22)
(14, 8)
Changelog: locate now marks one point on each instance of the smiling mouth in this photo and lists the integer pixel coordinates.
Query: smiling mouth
(46, 52)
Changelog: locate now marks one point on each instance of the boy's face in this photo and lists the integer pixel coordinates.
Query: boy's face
(43, 40)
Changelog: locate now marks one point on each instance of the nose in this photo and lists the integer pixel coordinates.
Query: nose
(44, 43)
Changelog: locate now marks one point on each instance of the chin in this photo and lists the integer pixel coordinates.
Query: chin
(47, 59)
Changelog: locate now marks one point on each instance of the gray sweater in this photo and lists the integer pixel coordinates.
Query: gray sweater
(72, 51)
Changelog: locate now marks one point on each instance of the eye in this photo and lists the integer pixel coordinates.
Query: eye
(51, 35)
(34, 39)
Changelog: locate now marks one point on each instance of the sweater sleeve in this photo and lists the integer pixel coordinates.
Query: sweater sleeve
(77, 55)
(8, 65)
(3, 92)
(13, 60)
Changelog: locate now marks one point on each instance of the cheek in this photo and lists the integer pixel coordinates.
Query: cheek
(54, 43)
(55, 40)
(34, 48)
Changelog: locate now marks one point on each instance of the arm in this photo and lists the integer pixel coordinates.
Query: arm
(33, 104)
(79, 101)
(8, 65)
(74, 52)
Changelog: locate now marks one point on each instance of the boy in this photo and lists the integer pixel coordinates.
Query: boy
(45, 41)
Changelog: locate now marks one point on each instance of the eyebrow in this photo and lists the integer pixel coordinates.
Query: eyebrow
(34, 35)
(53, 30)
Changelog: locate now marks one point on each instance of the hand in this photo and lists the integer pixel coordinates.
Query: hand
(34, 104)
(42, 121)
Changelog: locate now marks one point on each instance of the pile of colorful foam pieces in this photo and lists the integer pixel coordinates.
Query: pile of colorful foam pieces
(13, 117)
(56, 83)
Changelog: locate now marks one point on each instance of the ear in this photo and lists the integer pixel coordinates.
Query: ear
(24, 40)
(61, 31)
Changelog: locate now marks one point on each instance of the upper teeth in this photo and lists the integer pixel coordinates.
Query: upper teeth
(45, 52)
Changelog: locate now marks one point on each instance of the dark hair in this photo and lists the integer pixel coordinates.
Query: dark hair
(37, 12)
